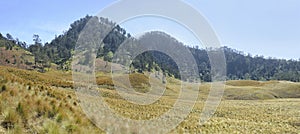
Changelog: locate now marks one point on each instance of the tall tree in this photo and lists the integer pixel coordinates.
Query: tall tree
(37, 40)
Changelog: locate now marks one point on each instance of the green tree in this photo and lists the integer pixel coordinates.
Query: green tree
(37, 39)
(109, 56)
(9, 37)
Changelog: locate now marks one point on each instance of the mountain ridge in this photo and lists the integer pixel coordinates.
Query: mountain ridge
(58, 54)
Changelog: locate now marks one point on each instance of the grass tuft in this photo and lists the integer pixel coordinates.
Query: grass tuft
(22, 110)
(11, 119)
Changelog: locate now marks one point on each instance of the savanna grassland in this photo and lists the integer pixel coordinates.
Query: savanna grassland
(33, 102)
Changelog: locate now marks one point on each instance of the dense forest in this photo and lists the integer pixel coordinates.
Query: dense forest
(239, 65)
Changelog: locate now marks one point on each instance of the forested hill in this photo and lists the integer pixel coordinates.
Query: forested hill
(58, 53)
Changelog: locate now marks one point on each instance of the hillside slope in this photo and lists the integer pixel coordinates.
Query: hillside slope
(11, 54)
(33, 102)
(58, 54)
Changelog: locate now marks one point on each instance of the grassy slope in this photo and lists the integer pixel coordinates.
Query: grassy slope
(33, 102)
(45, 103)
(16, 57)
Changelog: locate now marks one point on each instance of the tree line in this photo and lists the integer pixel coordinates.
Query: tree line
(239, 65)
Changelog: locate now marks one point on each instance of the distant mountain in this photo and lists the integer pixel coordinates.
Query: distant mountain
(58, 53)
(239, 65)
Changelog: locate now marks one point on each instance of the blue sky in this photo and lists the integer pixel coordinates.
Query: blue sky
(263, 27)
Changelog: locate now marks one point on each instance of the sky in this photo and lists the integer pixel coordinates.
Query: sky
(259, 27)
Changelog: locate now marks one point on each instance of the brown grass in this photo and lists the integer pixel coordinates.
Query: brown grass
(32, 104)
(104, 80)
(45, 103)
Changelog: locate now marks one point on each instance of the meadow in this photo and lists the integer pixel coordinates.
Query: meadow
(33, 102)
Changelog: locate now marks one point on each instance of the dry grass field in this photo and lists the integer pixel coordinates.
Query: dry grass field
(33, 102)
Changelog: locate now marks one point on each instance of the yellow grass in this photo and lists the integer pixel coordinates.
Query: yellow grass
(33, 102)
